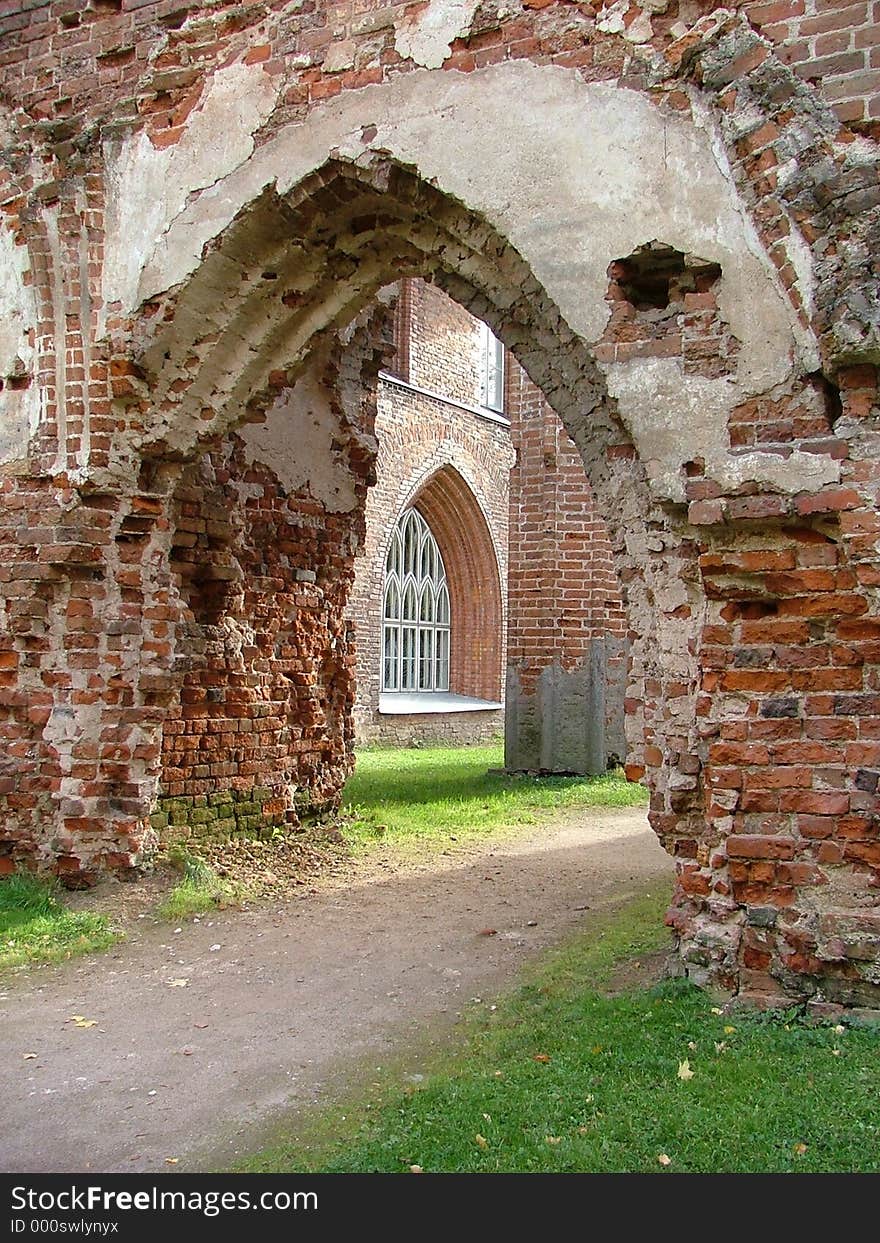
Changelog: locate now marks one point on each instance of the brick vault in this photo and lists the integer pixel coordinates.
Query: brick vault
(676, 236)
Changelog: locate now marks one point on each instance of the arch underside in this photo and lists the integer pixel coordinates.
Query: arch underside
(293, 268)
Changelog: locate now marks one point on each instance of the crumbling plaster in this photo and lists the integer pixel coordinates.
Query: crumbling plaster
(508, 142)
(19, 406)
(427, 36)
(299, 441)
(148, 186)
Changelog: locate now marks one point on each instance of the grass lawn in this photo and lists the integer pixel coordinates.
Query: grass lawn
(416, 794)
(35, 927)
(563, 1077)
(199, 889)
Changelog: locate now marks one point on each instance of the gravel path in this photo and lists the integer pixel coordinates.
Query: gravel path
(204, 1038)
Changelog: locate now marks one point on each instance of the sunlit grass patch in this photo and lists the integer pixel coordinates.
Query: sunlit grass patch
(35, 927)
(412, 794)
(562, 1077)
(199, 889)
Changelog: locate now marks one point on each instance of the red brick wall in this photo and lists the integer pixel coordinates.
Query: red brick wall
(564, 590)
(453, 466)
(267, 683)
(834, 45)
(564, 593)
(444, 345)
(60, 60)
(777, 850)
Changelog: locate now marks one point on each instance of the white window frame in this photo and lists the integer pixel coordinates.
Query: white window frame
(416, 637)
(491, 370)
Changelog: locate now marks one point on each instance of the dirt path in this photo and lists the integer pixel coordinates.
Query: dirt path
(205, 1036)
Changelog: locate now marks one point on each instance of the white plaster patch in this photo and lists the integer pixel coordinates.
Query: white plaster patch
(428, 37)
(574, 175)
(19, 407)
(667, 411)
(296, 442)
(798, 251)
(610, 18)
(639, 31)
(148, 186)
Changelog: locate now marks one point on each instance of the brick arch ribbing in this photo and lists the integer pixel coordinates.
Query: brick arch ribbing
(457, 522)
(291, 269)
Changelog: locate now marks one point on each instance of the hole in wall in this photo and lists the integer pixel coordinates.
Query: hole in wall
(655, 277)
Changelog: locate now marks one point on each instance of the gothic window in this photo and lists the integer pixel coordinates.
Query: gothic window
(415, 611)
(492, 370)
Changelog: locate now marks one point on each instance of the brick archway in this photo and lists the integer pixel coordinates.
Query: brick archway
(273, 293)
(358, 225)
(149, 531)
(451, 511)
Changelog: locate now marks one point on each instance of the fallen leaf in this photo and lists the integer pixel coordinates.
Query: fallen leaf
(597, 1048)
(662, 1159)
(29, 1057)
(178, 983)
(835, 1052)
(187, 1052)
(716, 1010)
(552, 1139)
(684, 1070)
(488, 932)
(838, 1029)
(78, 1021)
(542, 1057)
(800, 1149)
(728, 1031)
(720, 1046)
(201, 1026)
(481, 1141)
(692, 1045)
(171, 1160)
(583, 1130)
(416, 1169)
(487, 1117)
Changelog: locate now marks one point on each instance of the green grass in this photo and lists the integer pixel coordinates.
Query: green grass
(409, 795)
(35, 927)
(200, 889)
(565, 1078)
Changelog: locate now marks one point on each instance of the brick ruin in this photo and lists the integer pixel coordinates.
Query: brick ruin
(669, 215)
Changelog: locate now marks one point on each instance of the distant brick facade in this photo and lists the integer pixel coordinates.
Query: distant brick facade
(565, 597)
(438, 452)
(508, 501)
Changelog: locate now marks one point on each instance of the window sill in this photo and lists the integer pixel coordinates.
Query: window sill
(483, 412)
(403, 703)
